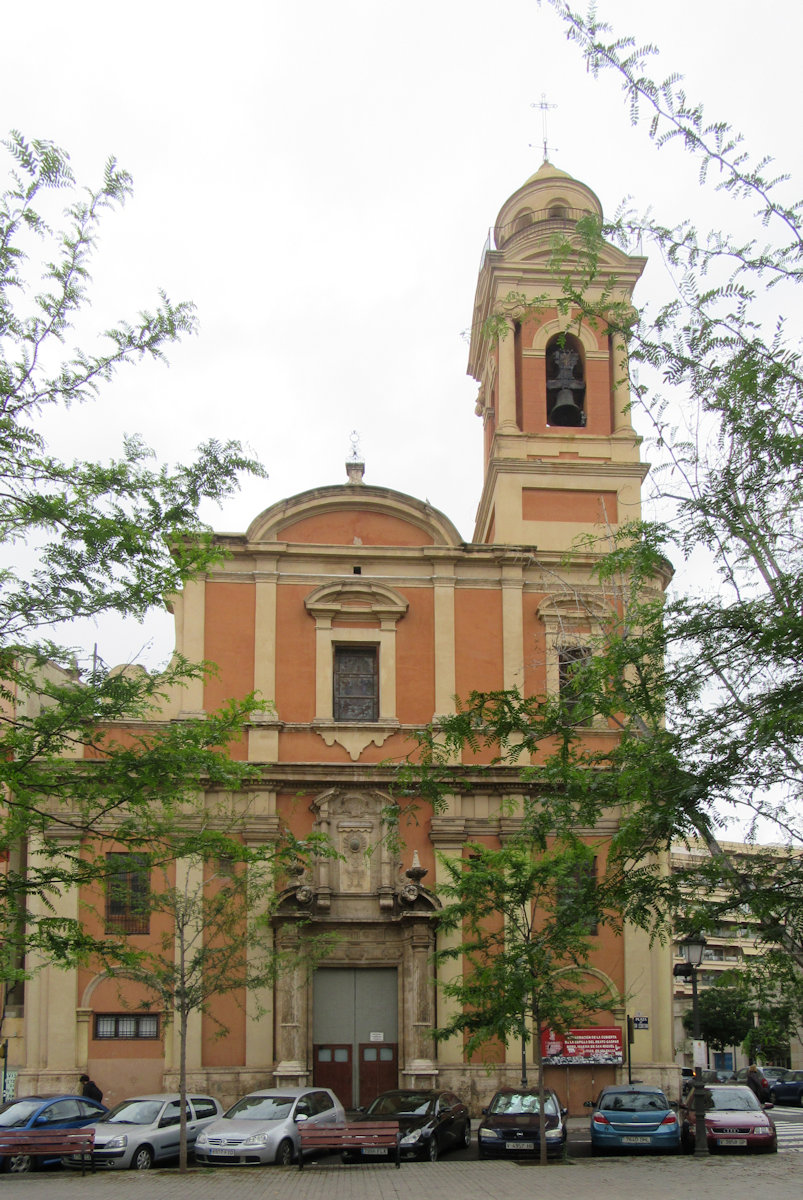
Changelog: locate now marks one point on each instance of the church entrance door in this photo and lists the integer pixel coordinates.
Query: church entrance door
(355, 1032)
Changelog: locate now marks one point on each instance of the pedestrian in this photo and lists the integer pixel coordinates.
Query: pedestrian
(90, 1089)
(757, 1083)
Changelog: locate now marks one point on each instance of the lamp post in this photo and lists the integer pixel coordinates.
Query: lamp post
(693, 948)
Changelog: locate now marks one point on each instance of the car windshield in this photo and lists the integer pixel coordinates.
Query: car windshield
(511, 1103)
(134, 1112)
(633, 1102)
(398, 1103)
(18, 1112)
(740, 1098)
(262, 1108)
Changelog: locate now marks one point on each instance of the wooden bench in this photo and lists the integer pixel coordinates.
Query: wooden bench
(49, 1143)
(353, 1137)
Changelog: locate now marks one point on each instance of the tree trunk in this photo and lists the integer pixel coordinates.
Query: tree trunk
(182, 1091)
(539, 1062)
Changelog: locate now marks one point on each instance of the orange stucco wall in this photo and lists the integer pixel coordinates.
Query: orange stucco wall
(562, 504)
(229, 643)
(295, 655)
(415, 658)
(478, 636)
(356, 528)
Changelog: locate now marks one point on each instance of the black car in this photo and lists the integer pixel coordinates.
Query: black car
(429, 1122)
(511, 1124)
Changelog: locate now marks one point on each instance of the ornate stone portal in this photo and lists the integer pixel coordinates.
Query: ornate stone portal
(376, 913)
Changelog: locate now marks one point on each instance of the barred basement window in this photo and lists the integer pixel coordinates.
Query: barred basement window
(128, 888)
(126, 1026)
(356, 683)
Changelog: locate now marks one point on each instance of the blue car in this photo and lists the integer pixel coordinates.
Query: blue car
(633, 1117)
(44, 1112)
(787, 1090)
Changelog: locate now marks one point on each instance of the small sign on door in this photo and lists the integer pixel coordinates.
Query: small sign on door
(376, 1037)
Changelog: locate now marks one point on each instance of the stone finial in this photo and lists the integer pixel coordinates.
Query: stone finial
(355, 466)
(355, 471)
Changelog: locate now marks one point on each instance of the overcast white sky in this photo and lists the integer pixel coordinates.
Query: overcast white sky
(320, 178)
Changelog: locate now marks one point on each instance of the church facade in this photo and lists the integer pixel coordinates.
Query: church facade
(359, 613)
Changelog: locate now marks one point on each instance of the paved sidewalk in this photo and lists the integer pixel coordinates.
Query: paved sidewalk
(715, 1178)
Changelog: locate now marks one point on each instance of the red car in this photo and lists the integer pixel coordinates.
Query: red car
(734, 1119)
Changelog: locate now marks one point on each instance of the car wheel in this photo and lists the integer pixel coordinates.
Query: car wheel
(774, 1097)
(432, 1150)
(20, 1164)
(284, 1154)
(143, 1159)
(467, 1135)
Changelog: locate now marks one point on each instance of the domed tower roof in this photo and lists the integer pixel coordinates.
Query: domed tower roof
(548, 196)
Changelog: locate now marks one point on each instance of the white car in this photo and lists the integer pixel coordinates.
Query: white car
(145, 1129)
(263, 1126)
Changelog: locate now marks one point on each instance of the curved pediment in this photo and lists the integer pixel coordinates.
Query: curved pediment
(357, 598)
(354, 515)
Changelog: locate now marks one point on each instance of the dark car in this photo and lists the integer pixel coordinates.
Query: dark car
(633, 1116)
(429, 1123)
(765, 1073)
(511, 1124)
(45, 1111)
(788, 1090)
(734, 1119)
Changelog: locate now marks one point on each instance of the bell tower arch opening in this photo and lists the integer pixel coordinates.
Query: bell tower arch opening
(565, 381)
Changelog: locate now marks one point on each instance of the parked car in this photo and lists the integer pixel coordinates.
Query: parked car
(263, 1126)
(429, 1122)
(145, 1129)
(511, 1124)
(734, 1119)
(788, 1090)
(773, 1073)
(45, 1111)
(634, 1116)
(707, 1077)
(766, 1073)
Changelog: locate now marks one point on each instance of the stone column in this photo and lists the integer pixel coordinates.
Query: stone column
(52, 1047)
(189, 875)
(419, 1012)
(507, 381)
(621, 385)
(292, 1007)
(191, 642)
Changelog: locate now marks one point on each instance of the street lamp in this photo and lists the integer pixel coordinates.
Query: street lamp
(693, 949)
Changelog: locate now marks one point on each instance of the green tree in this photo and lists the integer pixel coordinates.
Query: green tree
(726, 1017)
(80, 539)
(220, 938)
(520, 917)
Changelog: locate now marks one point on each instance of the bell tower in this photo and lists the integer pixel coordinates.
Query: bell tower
(561, 457)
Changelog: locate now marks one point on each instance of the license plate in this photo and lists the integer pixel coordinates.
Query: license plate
(223, 1153)
(374, 1150)
(519, 1145)
(636, 1141)
(726, 1141)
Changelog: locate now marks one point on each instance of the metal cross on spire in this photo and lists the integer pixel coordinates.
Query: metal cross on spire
(545, 107)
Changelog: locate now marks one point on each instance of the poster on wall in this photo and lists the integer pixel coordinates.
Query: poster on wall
(598, 1045)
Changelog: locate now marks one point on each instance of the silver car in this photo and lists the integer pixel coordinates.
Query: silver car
(145, 1129)
(263, 1126)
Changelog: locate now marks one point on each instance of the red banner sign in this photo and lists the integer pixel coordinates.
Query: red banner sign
(600, 1044)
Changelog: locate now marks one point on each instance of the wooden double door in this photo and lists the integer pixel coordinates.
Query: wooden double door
(355, 1032)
